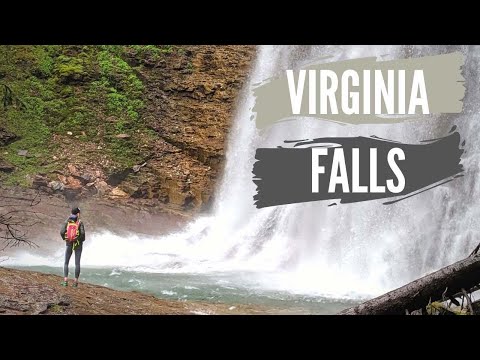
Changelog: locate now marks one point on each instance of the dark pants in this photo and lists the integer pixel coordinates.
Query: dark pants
(68, 254)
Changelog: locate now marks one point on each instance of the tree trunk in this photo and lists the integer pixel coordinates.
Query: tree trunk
(441, 284)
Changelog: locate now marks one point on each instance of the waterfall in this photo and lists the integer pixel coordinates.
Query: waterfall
(349, 250)
(363, 248)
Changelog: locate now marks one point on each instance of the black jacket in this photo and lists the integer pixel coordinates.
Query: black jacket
(81, 230)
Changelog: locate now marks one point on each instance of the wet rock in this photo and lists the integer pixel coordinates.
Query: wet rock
(40, 181)
(117, 177)
(137, 168)
(144, 191)
(6, 167)
(72, 169)
(7, 137)
(56, 185)
(73, 183)
(43, 294)
(39, 308)
(90, 190)
(84, 179)
(102, 187)
(87, 178)
(117, 192)
(71, 193)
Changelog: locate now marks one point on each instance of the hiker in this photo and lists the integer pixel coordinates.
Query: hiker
(73, 233)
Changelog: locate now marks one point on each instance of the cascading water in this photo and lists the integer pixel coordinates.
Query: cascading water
(344, 251)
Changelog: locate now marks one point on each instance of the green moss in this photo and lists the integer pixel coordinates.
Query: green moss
(120, 91)
(56, 309)
(88, 90)
(78, 120)
(70, 68)
(152, 51)
(34, 137)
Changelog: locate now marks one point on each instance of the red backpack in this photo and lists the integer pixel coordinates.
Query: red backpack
(72, 231)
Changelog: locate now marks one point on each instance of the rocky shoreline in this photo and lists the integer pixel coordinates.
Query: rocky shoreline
(31, 293)
(28, 292)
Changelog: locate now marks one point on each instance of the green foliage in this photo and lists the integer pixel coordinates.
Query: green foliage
(90, 91)
(34, 137)
(79, 119)
(152, 51)
(56, 309)
(121, 92)
(70, 68)
(44, 60)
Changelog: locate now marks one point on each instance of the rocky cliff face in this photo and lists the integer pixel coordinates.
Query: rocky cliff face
(190, 103)
(133, 123)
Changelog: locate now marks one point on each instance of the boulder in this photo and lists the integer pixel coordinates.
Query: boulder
(56, 185)
(117, 177)
(136, 168)
(119, 193)
(144, 191)
(86, 178)
(72, 169)
(102, 187)
(73, 183)
(40, 181)
(6, 137)
(6, 167)
(90, 189)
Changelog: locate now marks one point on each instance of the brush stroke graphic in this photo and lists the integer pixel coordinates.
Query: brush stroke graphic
(284, 175)
(443, 79)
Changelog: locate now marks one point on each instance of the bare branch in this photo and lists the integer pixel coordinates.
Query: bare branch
(16, 220)
(475, 251)
(469, 301)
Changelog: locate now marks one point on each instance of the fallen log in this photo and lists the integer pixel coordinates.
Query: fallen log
(437, 286)
(476, 306)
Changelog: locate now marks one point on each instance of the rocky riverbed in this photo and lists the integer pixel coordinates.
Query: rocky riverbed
(29, 293)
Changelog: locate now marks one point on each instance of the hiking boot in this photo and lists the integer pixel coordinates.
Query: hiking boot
(64, 283)
(75, 284)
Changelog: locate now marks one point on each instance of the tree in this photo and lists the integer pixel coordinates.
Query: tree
(16, 220)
